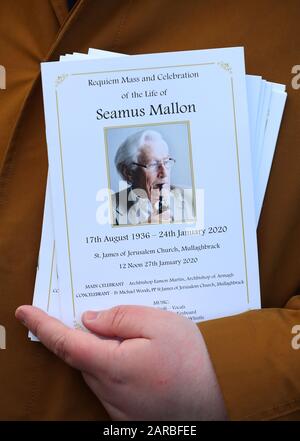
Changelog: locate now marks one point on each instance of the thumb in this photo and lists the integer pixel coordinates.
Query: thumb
(127, 321)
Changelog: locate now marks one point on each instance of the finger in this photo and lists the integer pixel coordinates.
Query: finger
(128, 321)
(79, 349)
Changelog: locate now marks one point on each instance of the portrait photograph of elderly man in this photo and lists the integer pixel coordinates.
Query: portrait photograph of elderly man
(153, 180)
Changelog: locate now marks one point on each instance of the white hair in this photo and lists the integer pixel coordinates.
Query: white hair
(129, 150)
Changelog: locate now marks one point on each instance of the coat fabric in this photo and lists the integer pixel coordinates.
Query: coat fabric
(256, 366)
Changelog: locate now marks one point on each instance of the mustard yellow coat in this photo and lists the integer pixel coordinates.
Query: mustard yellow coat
(257, 368)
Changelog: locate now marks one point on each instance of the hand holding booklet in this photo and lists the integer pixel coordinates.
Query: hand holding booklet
(151, 199)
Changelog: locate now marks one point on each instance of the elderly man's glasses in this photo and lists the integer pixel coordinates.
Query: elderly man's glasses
(154, 166)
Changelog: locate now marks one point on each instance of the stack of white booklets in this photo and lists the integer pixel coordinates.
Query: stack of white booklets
(198, 130)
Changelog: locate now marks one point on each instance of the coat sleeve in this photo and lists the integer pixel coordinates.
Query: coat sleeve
(256, 356)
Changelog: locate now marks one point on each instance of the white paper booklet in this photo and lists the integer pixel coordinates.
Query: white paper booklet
(177, 124)
(46, 292)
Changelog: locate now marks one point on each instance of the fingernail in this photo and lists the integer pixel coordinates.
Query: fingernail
(21, 316)
(91, 315)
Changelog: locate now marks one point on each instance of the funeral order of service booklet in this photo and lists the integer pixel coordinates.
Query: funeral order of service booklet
(150, 172)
